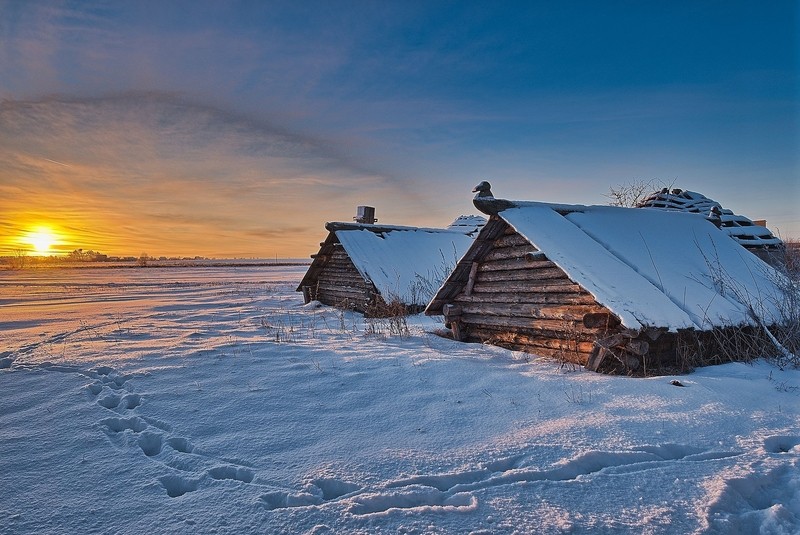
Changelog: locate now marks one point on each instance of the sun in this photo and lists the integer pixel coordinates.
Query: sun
(41, 239)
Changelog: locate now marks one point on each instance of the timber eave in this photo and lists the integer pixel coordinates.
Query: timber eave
(319, 261)
(493, 229)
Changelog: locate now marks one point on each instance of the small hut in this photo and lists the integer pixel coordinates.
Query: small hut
(366, 267)
(752, 235)
(614, 289)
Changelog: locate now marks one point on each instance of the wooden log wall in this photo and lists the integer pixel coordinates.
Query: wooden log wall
(520, 300)
(340, 284)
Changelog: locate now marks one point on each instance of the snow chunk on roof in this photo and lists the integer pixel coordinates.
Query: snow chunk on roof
(651, 267)
(738, 227)
(467, 223)
(405, 263)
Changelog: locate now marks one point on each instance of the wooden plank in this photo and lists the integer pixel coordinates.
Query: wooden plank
(564, 327)
(533, 298)
(452, 312)
(333, 280)
(537, 286)
(344, 291)
(579, 346)
(637, 347)
(337, 278)
(558, 312)
(596, 357)
(337, 294)
(506, 253)
(555, 349)
(521, 275)
(510, 240)
(459, 334)
(515, 264)
(307, 294)
(471, 280)
(534, 332)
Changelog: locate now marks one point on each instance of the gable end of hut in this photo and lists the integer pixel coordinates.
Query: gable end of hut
(511, 295)
(333, 279)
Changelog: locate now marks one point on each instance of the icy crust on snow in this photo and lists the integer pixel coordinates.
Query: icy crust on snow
(653, 268)
(405, 263)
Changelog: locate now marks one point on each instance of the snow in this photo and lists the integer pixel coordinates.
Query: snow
(651, 267)
(738, 227)
(211, 400)
(467, 223)
(406, 262)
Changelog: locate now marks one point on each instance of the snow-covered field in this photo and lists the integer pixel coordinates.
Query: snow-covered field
(210, 400)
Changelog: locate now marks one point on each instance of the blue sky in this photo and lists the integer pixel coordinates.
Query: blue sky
(239, 128)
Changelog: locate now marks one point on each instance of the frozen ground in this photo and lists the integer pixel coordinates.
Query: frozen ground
(210, 400)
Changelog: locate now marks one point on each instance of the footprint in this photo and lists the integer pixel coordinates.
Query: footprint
(131, 401)
(118, 425)
(94, 388)
(180, 444)
(334, 488)
(585, 464)
(418, 500)
(161, 424)
(781, 444)
(282, 499)
(317, 492)
(758, 501)
(151, 443)
(232, 472)
(442, 482)
(109, 402)
(178, 486)
(503, 465)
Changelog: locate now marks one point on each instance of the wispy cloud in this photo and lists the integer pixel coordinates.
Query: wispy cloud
(145, 167)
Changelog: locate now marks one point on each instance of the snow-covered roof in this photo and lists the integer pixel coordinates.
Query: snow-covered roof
(652, 268)
(738, 227)
(467, 223)
(404, 262)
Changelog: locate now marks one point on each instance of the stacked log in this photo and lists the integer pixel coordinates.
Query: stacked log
(517, 298)
(340, 284)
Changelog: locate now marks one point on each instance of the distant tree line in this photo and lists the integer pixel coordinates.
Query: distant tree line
(79, 255)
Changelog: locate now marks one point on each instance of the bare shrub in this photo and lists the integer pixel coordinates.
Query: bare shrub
(631, 194)
(775, 334)
(19, 260)
(390, 317)
(791, 258)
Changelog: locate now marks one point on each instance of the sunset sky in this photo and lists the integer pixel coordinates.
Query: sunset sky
(237, 129)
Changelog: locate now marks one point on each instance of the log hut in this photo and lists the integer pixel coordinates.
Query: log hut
(752, 235)
(620, 290)
(367, 267)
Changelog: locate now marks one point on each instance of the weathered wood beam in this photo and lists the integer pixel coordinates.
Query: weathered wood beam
(510, 240)
(574, 313)
(516, 264)
(520, 275)
(564, 328)
(531, 297)
(506, 253)
(471, 280)
(538, 286)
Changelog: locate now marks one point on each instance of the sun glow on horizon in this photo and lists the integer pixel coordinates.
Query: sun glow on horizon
(41, 239)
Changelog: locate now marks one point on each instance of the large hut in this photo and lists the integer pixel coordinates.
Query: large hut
(372, 268)
(614, 289)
